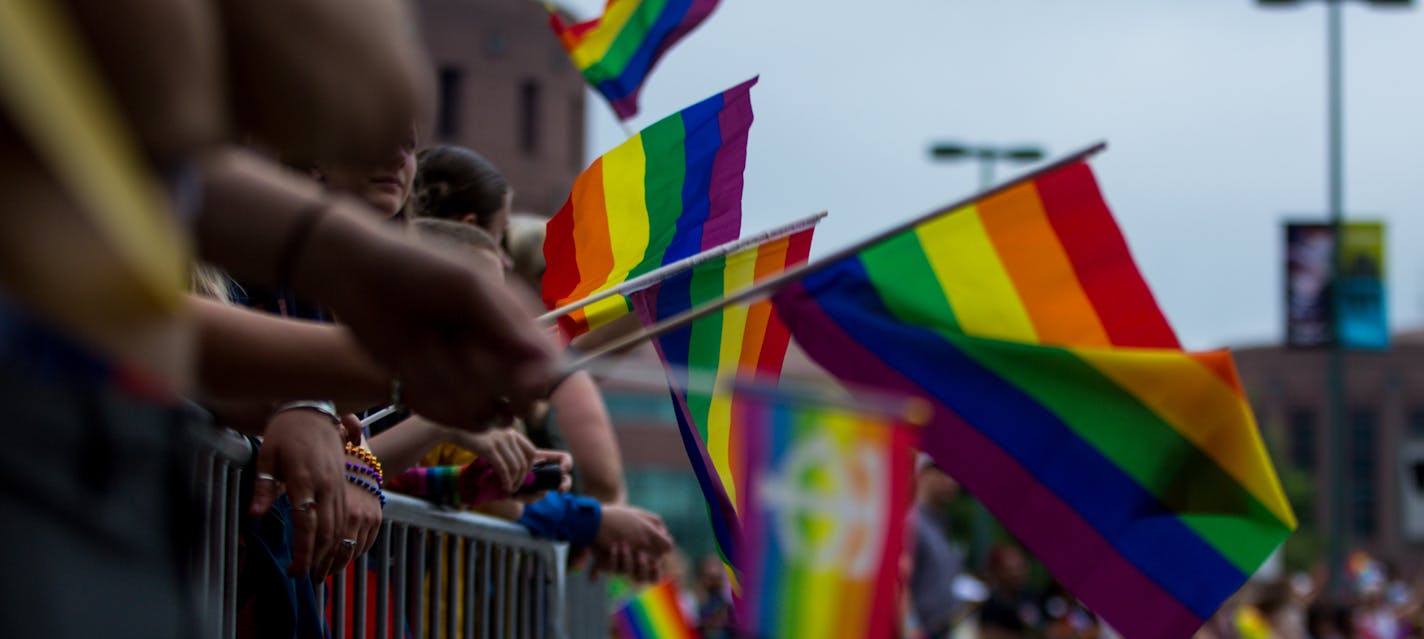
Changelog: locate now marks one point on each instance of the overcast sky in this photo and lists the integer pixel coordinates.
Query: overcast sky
(1214, 112)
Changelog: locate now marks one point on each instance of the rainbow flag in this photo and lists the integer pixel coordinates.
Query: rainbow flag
(1133, 470)
(670, 192)
(654, 614)
(616, 51)
(827, 485)
(740, 341)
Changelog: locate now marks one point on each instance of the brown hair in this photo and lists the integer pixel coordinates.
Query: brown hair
(453, 181)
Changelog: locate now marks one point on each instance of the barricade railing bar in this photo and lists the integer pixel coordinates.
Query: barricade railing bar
(432, 572)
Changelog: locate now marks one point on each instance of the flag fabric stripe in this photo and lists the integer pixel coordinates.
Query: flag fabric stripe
(737, 341)
(618, 50)
(1153, 450)
(729, 166)
(665, 194)
(655, 613)
(1108, 498)
(666, 188)
(650, 19)
(628, 226)
(1087, 231)
(967, 267)
(793, 574)
(1195, 416)
(1094, 572)
(1061, 311)
(1117, 425)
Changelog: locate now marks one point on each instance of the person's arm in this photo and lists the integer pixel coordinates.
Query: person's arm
(403, 445)
(583, 420)
(463, 347)
(246, 354)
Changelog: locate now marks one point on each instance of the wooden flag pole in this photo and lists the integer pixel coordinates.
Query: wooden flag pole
(656, 275)
(774, 283)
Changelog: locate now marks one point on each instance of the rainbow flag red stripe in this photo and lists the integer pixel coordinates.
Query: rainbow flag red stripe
(670, 192)
(740, 341)
(1132, 469)
(653, 614)
(826, 488)
(615, 52)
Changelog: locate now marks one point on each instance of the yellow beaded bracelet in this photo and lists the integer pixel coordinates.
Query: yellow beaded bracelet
(365, 456)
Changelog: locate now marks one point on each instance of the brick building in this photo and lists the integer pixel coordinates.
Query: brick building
(1384, 421)
(508, 90)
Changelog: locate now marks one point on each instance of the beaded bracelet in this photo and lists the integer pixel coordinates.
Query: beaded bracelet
(365, 456)
(365, 470)
(369, 487)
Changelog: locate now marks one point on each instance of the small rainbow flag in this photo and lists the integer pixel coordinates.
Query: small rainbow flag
(615, 52)
(826, 485)
(653, 614)
(740, 341)
(670, 192)
(1132, 469)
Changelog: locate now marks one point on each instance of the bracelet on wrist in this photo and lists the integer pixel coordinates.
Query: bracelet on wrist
(367, 471)
(368, 487)
(365, 456)
(324, 407)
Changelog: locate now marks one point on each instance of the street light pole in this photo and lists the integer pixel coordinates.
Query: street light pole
(1335, 395)
(1340, 483)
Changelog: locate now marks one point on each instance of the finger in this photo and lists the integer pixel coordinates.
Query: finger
(524, 453)
(264, 486)
(303, 533)
(353, 427)
(326, 526)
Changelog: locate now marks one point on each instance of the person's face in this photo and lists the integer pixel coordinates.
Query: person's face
(384, 187)
(711, 574)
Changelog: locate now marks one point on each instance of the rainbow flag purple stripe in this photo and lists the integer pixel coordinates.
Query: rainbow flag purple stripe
(1132, 469)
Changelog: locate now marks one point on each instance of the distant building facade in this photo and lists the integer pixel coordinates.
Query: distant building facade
(1384, 418)
(507, 89)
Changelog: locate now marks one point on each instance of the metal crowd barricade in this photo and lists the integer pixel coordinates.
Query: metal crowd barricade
(432, 572)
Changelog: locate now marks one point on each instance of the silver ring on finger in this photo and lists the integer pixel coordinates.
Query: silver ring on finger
(348, 544)
(305, 506)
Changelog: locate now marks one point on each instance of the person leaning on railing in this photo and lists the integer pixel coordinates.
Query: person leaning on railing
(455, 468)
(457, 184)
(95, 335)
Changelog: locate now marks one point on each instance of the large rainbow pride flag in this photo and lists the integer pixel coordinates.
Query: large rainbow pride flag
(653, 613)
(826, 484)
(740, 341)
(1132, 469)
(615, 52)
(670, 192)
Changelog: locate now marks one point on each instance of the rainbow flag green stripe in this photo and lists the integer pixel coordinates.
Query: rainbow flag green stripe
(653, 614)
(618, 50)
(1133, 469)
(670, 192)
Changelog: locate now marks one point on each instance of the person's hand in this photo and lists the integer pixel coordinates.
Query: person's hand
(363, 522)
(303, 450)
(462, 346)
(630, 541)
(565, 462)
(510, 454)
(641, 566)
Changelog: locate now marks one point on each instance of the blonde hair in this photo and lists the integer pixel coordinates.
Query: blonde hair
(210, 281)
(524, 241)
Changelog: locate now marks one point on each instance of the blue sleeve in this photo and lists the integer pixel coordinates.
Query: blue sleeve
(563, 517)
